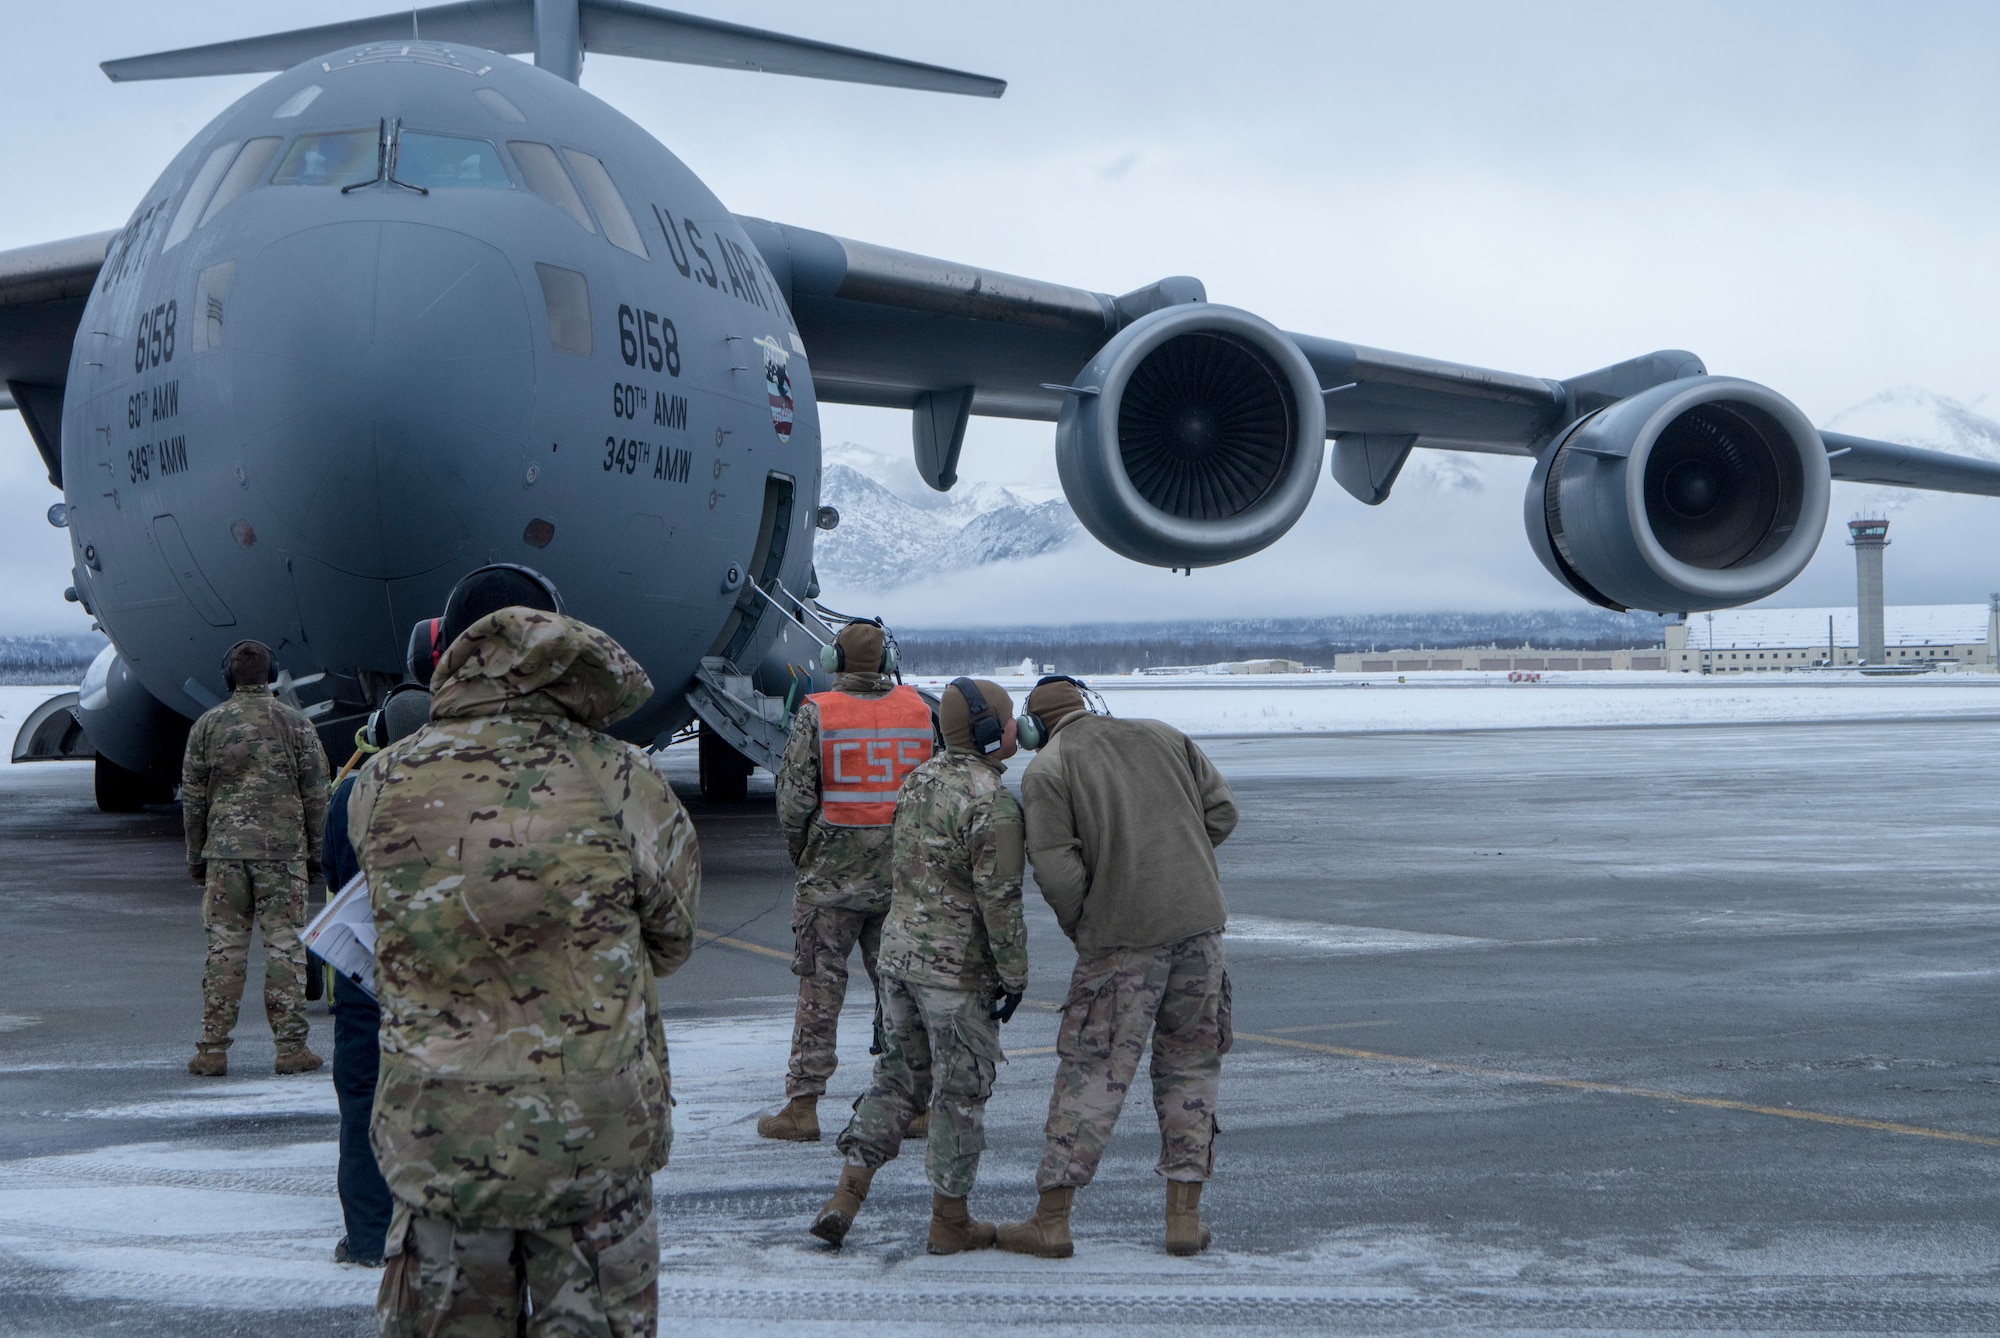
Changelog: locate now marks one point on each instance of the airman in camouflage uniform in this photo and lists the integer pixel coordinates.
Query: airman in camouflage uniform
(842, 897)
(253, 801)
(1123, 820)
(532, 880)
(954, 965)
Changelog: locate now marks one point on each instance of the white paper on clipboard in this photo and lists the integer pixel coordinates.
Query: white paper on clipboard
(343, 935)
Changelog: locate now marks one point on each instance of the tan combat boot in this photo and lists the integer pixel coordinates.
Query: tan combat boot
(300, 1060)
(1046, 1234)
(1186, 1232)
(798, 1122)
(838, 1215)
(209, 1063)
(920, 1127)
(953, 1228)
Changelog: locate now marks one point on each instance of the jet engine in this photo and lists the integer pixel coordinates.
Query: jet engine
(1701, 493)
(137, 737)
(1193, 438)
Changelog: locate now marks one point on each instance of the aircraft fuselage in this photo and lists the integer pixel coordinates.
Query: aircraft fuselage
(299, 412)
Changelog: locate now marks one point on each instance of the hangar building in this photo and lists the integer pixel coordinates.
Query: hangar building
(1739, 641)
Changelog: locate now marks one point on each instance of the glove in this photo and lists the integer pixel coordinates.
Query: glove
(198, 870)
(1004, 1005)
(312, 870)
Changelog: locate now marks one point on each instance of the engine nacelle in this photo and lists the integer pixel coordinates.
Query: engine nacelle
(129, 725)
(1701, 493)
(1194, 437)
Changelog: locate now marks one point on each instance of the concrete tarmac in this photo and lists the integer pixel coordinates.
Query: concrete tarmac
(1603, 1030)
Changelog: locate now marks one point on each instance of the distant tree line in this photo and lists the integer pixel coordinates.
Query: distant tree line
(56, 659)
(1124, 647)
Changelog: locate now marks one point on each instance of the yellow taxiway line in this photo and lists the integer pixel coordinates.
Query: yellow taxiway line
(1504, 1075)
(1621, 1089)
(741, 945)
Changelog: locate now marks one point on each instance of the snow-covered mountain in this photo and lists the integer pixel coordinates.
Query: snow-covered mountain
(895, 529)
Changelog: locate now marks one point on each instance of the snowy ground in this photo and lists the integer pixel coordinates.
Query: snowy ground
(241, 1227)
(1382, 703)
(1443, 946)
(1205, 705)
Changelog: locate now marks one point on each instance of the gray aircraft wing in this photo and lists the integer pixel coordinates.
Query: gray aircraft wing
(42, 292)
(892, 328)
(1864, 461)
(895, 329)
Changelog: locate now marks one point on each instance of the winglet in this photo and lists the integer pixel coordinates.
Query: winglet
(610, 27)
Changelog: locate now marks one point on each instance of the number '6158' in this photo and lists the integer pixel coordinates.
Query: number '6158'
(156, 337)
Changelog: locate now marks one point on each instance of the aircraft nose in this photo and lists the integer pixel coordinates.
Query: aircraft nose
(383, 378)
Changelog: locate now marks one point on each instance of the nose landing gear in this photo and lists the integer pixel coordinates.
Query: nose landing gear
(725, 773)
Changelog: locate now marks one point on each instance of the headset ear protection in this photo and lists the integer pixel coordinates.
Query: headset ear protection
(1029, 731)
(376, 731)
(987, 729)
(229, 675)
(425, 650)
(833, 655)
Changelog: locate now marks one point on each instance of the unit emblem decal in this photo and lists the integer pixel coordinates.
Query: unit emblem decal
(778, 385)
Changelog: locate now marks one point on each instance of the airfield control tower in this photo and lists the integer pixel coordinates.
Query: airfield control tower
(1868, 538)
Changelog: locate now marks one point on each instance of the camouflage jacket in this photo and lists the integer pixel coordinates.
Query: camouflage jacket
(532, 879)
(847, 867)
(956, 919)
(253, 781)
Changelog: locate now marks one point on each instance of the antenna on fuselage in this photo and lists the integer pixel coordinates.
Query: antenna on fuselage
(558, 32)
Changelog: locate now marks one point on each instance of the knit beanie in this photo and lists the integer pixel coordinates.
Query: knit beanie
(1055, 702)
(956, 720)
(861, 648)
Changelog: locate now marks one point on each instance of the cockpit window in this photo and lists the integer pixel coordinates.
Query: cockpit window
(496, 102)
(243, 174)
(543, 172)
(619, 229)
(197, 195)
(445, 162)
(340, 158)
(297, 102)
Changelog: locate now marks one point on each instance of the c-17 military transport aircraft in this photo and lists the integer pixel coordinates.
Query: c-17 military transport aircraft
(412, 306)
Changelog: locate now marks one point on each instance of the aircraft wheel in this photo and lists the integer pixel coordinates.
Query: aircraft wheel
(725, 773)
(119, 790)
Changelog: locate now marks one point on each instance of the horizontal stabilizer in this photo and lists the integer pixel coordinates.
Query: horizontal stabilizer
(609, 27)
(622, 28)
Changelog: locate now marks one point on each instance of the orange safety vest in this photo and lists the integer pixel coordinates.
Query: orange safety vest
(866, 748)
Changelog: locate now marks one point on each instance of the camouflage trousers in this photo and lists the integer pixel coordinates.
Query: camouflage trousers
(598, 1278)
(930, 1036)
(272, 894)
(1177, 992)
(823, 939)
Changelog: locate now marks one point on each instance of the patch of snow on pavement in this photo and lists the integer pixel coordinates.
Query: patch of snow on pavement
(1257, 931)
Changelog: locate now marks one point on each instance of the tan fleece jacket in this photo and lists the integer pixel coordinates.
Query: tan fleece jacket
(1123, 818)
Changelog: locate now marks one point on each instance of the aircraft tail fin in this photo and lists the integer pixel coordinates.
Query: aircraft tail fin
(559, 32)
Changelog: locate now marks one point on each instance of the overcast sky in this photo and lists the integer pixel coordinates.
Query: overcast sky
(1804, 194)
